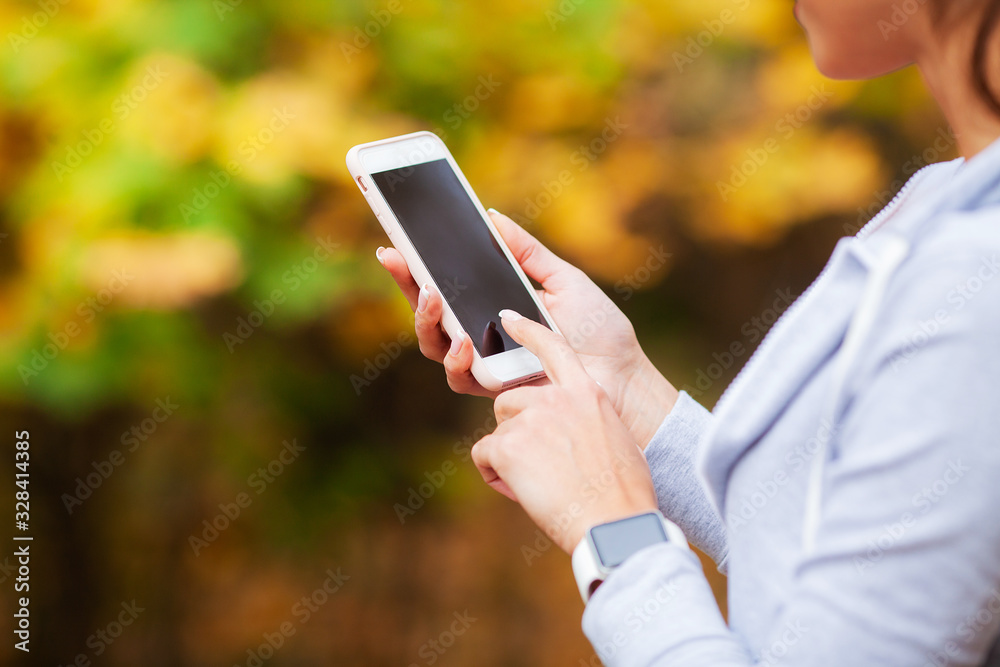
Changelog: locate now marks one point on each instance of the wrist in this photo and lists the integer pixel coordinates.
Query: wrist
(647, 399)
(609, 508)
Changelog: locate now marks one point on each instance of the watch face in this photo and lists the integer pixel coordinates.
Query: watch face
(618, 540)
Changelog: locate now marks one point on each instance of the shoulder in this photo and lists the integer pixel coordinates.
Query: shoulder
(946, 293)
(958, 254)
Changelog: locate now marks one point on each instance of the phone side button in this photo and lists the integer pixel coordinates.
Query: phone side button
(377, 210)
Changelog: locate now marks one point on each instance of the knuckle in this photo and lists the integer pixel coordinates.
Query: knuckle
(461, 383)
(500, 404)
(455, 383)
(593, 391)
(427, 349)
(499, 452)
(479, 452)
(453, 366)
(421, 322)
(549, 397)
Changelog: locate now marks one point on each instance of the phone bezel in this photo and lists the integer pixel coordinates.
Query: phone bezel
(497, 371)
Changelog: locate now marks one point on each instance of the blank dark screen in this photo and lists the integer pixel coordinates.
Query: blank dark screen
(458, 249)
(618, 540)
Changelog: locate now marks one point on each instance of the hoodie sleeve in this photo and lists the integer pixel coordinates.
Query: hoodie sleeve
(671, 455)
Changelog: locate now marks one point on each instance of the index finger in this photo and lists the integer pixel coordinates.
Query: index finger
(559, 361)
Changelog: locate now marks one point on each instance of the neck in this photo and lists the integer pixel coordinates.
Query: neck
(946, 66)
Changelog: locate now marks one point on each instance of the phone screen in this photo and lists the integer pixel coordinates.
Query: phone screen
(458, 249)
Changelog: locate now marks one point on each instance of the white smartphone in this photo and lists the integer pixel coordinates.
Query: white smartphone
(427, 207)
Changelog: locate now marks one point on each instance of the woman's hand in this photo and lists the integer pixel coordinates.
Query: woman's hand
(594, 327)
(560, 450)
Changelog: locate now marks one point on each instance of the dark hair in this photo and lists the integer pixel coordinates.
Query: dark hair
(980, 53)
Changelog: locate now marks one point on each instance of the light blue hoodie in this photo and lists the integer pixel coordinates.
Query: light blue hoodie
(855, 460)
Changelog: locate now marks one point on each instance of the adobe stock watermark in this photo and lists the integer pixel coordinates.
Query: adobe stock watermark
(301, 613)
(944, 141)
(635, 619)
(130, 440)
(462, 110)
(923, 502)
(741, 173)
(223, 7)
(562, 13)
(248, 150)
(561, 521)
(790, 636)
(696, 45)
(363, 35)
(753, 330)
(33, 24)
(258, 482)
(420, 149)
(293, 278)
(966, 631)
(374, 366)
(461, 450)
(596, 319)
(378, 364)
(740, 514)
(592, 323)
(121, 108)
(901, 13)
(655, 260)
(102, 639)
(958, 298)
(87, 310)
(435, 647)
(580, 159)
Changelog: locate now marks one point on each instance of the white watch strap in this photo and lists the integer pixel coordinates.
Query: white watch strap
(585, 568)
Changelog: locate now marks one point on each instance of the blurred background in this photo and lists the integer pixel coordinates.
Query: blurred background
(238, 456)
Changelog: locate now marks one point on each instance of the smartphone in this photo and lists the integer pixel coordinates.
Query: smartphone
(434, 219)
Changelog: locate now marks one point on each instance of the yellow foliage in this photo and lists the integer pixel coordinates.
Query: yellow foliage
(790, 78)
(551, 102)
(169, 106)
(360, 327)
(587, 222)
(161, 271)
(811, 174)
(280, 124)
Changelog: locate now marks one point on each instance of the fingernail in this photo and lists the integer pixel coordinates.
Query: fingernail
(510, 315)
(456, 343)
(378, 255)
(493, 210)
(422, 297)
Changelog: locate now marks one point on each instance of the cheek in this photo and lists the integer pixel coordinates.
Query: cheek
(855, 39)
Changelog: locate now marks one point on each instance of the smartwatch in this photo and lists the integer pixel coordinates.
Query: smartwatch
(608, 545)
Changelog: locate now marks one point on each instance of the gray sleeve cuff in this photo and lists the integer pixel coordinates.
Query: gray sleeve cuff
(671, 455)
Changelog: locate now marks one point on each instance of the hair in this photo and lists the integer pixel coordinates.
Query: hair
(980, 56)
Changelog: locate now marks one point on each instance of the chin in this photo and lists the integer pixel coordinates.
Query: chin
(848, 62)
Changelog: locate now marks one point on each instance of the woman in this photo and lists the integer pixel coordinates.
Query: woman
(848, 481)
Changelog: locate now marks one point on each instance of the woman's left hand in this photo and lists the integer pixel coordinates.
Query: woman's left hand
(560, 450)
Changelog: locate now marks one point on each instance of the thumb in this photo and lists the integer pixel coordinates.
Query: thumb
(538, 262)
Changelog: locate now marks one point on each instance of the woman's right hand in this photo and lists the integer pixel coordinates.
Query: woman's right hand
(592, 324)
